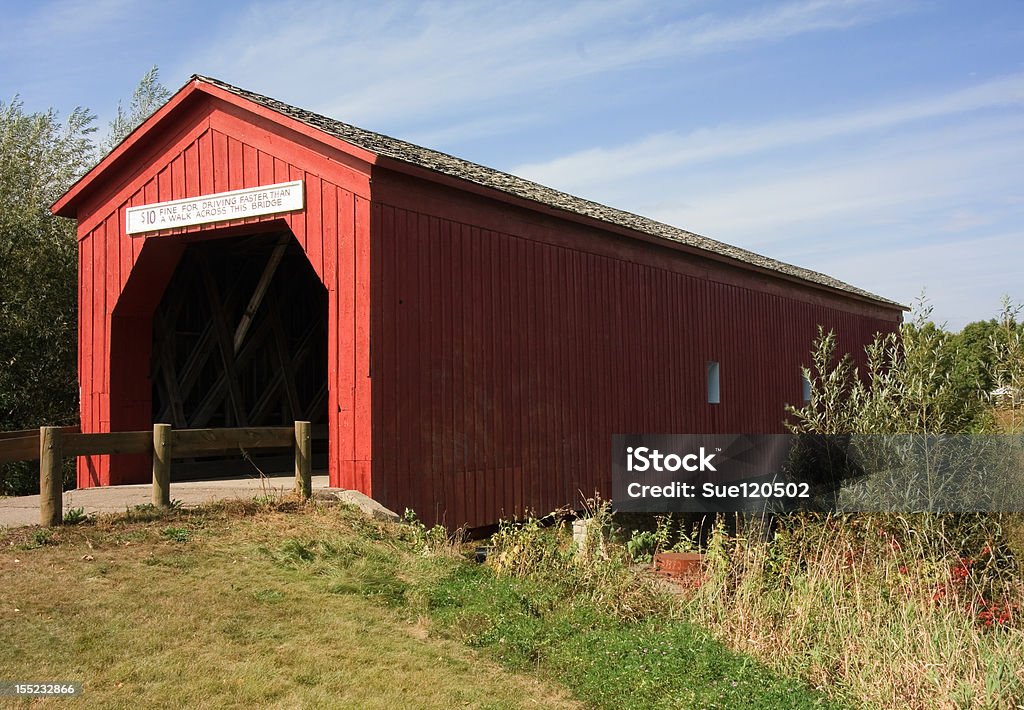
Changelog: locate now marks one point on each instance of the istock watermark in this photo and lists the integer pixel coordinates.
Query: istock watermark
(642, 459)
(783, 472)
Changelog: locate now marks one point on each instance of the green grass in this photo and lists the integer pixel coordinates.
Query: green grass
(308, 607)
(232, 615)
(607, 662)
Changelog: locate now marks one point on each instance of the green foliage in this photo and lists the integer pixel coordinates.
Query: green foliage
(921, 380)
(43, 536)
(74, 516)
(428, 540)
(829, 409)
(40, 158)
(916, 381)
(642, 545)
(993, 349)
(148, 96)
(976, 350)
(177, 534)
(148, 511)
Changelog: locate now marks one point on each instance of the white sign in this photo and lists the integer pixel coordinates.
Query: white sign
(250, 202)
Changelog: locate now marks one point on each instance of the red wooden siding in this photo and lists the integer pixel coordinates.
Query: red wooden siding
(217, 148)
(504, 363)
(507, 341)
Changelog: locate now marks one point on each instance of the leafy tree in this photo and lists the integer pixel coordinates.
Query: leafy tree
(921, 380)
(1007, 369)
(976, 349)
(915, 382)
(40, 158)
(148, 96)
(982, 342)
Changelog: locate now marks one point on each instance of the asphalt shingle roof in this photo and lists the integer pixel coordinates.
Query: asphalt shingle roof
(519, 187)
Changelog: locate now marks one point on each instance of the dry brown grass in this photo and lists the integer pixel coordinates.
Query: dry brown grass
(202, 610)
(1009, 420)
(873, 606)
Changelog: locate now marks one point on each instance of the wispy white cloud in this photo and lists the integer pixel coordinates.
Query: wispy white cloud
(385, 62)
(895, 198)
(963, 279)
(923, 173)
(453, 134)
(665, 151)
(962, 220)
(787, 20)
(67, 21)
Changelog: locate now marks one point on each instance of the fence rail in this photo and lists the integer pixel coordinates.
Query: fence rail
(23, 445)
(51, 445)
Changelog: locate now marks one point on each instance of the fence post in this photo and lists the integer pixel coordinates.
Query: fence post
(303, 460)
(51, 477)
(162, 465)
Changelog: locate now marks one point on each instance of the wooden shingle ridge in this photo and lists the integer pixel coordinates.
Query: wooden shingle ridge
(452, 166)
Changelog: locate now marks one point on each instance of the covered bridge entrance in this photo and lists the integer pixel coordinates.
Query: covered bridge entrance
(470, 340)
(240, 339)
(247, 306)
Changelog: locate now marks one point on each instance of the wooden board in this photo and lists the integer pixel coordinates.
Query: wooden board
(22, 448)
(125, 442)
(23, 445)
(192, 442)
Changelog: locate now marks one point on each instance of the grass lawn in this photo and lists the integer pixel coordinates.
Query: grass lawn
(290, 606)
(204, 610)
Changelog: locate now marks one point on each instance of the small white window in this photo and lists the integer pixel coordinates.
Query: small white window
(714, 389)
(806, 384)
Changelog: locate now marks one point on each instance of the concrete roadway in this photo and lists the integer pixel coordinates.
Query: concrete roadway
(24, 510)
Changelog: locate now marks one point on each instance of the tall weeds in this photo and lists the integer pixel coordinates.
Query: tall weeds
(889, 609)
(915, 611)
(595, 570)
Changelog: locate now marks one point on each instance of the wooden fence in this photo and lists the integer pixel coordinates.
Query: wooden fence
(50, 445)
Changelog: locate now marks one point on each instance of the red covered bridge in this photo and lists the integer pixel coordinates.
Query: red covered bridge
(469, 340)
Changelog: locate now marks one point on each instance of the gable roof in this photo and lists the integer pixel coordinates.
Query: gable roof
(451, 166)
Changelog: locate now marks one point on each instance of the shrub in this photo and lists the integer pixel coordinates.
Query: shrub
(73, 516)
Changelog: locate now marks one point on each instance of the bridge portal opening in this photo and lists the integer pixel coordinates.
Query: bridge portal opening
(240, 339)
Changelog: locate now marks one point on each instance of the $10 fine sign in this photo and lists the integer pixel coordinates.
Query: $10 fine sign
(223, 206)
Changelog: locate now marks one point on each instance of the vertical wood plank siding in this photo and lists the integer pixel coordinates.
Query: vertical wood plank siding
(481, 351)
(503, 363)
(122, 278)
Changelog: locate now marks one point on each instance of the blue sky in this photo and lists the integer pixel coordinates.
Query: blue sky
(879, 141)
